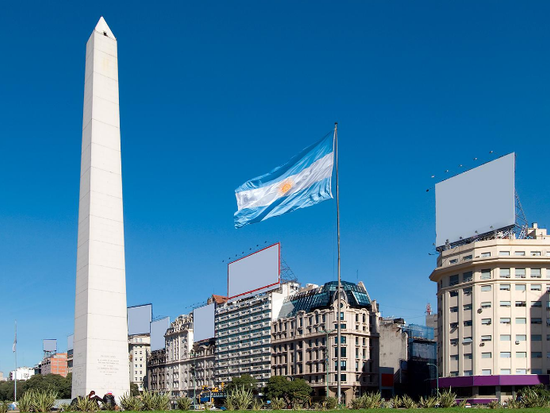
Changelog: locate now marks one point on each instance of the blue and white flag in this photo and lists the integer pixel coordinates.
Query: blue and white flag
(303, 181)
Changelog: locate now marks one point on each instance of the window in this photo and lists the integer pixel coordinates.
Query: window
(535, 273)
(454, 293)
(536, 337)
(468, 291)
(521, 354)
(453, 309)
(485, 288)
(536, 355)
(486, 304)
(536, 371)
(505, 304)
(521, 304)
(467, 323)
(453, 261)
(467, 340)
(521, 320)
(520, 287)
(486, 338)
(467, 257)
(521, 371)
(535, 254)
(467, 276)
(519, 253)
(485, 274)
(504, 253)
(503, 320)
(505, 355)
(521, 337)
(486, 355)
(467, 307)
(536, 287)
(485, 254)
(453, 280)
(504, 287)
(468, 356)
(454, 373)
(505, 371)
(536, 303)
(454, 357)
(486, 372)
(520, 272)
(454, 341)
(485, 321)
(504, 337)
(468, 373)
(504, 273)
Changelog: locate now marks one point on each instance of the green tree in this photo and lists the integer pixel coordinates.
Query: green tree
(134, 389)
(291, 391)
(246, 381)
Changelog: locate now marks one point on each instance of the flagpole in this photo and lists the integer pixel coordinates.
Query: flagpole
(15, 355)
(339, 321)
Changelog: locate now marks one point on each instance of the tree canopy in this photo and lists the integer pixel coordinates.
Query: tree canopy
(246, 381)
(61, 385)
(291, 391)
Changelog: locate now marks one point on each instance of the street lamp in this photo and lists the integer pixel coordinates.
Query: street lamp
(327, 353)
(436, 376)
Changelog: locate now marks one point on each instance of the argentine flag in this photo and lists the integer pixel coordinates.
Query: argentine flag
(303, 181)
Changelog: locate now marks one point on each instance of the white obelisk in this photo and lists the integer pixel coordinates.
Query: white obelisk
(100, 360)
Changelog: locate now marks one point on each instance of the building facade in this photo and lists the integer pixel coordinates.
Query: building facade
(304, 339)
(182, 368)
(243, 335)
(139, 347)
(494, 315)
(22, 373)
(55, 364)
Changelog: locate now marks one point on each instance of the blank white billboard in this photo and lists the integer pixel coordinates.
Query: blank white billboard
(203, 322)
(139, 319)
(49, 344)
(70, 340)
(478, 201)
(254, 273)
(158, 330)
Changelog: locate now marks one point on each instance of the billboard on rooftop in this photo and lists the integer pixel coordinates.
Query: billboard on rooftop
(478, 201)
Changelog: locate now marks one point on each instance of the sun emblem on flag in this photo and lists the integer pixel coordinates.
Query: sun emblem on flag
(286, 186)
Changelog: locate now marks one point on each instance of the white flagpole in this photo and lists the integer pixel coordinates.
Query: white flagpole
(339, 321)
(15, 356)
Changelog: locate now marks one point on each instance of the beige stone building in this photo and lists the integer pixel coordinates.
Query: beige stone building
(183, 368)
(304, 343)
(139, 347)
(494, 314)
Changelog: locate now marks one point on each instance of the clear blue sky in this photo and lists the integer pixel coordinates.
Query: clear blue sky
(213, 93)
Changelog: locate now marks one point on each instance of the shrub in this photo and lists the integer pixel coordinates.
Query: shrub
(83, 404)
(131, 403)
(25, 402)
(330, 403)
(396, 402)
(534, 397)
(184, 403)
(462, 404)
(257, 405)
(278, 404)
(241, 398)
(447, 399)
(44, 400)
(494, 404)
(3, 407)
(407, 402)
(428, 402)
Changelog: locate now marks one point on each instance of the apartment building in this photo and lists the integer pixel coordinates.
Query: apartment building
(494, 315)
(304, 342)
(139, 347)
(54, 364)
(243, 335)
